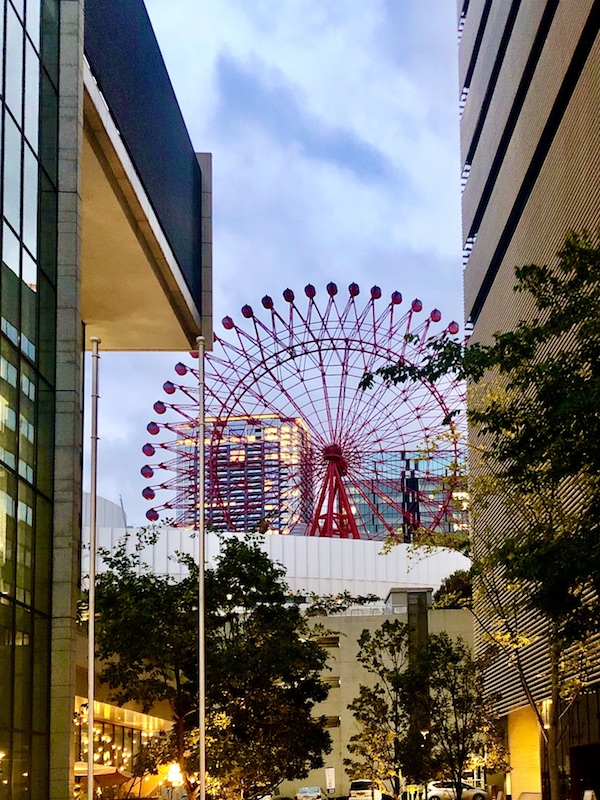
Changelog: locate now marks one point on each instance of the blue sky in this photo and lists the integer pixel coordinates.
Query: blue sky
(333, 126)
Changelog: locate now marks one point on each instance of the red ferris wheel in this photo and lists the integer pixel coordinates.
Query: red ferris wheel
(293, 444)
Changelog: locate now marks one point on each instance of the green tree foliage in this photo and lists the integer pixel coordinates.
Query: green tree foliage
(262, 668)
(143, 636)
(325, 605)
(381, 711)
(461, 725)
(456, 591)
(535, 421)
(265, 676)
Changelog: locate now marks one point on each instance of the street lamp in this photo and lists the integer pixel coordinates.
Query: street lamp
(201, 567)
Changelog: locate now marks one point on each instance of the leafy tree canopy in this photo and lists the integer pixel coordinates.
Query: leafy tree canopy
(262, 667)
(534, 411)
(456, 591)
(382, 748)
(459, 722)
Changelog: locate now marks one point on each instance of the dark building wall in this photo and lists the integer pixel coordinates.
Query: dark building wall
(125, 59)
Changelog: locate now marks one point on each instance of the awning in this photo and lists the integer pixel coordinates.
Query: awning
(104, 774)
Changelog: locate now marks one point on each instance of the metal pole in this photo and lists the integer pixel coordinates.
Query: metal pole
(201, 566)
(92, 567)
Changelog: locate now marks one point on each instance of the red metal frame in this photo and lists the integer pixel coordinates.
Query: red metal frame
(290, 428)
(338, 519)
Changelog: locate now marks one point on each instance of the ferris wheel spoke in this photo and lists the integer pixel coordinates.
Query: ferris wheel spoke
(284, 409)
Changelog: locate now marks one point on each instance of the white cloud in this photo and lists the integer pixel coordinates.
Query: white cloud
(293, 202)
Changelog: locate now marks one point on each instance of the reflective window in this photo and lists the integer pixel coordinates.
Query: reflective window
(11, 249)
(8, 405)
(39, 760)
(27, 437)
(6, 650)
(47, 235)
(30, 201)
(9, 305)
(32, 95)
(29, 150)
(47, 332)
(32, 21)
(12, 173)
(22, 684)
(50, 38)
(8, 505)
(25, 515)
(14, 64)
(48, 147)
(28, 271)
(28, 319)
(20, 7)
(21, 765)
(43, 555)
(1, 40)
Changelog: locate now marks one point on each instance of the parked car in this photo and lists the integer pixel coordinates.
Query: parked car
(310, 793)
(446, 790)
(366, 789)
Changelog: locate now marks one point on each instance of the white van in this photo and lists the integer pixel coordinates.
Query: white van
(366, 789)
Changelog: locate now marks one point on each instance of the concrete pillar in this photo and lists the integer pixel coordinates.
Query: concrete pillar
(68, 453)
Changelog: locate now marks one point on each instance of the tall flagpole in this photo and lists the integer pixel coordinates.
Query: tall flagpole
(91, 665)
(201, 566)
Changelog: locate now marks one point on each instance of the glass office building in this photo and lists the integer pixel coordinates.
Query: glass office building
(85, 100)
(29, 85)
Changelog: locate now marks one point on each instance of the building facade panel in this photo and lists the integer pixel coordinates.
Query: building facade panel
(475, 14)
(533, 177)
(531, 145)
(125, 59)
(41, 356)
(27, 383)
(475, 110)
(564, 196)
(505, 163)
(500, 71)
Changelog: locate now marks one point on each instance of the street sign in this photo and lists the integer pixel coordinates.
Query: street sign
(330, 779)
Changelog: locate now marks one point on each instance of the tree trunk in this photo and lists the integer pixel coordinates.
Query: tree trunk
(396, 778)
(553, 720)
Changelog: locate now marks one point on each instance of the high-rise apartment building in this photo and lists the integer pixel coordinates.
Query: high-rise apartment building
(105, 232)
(530, 139)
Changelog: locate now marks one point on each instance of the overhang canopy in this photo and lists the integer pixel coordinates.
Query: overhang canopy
(133, 293)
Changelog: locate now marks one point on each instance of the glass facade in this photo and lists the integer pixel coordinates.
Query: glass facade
(28, 202)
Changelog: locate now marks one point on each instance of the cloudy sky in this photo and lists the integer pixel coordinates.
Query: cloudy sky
(333, 126)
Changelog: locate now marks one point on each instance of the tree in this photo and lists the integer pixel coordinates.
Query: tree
(263, 670)
(461, 724)
(535, 464)
(265, 675)
(381, 710)
(456, 591)
(325, 605)
(143, 637)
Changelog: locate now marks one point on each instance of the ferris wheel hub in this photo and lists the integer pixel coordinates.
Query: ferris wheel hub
(333, 453)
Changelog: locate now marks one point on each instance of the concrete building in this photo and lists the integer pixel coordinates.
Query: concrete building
(106, 232)
(345, 674)
(530, 140)
(314, 565)
(319, 566)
